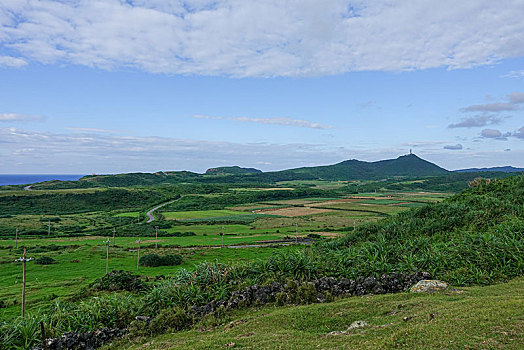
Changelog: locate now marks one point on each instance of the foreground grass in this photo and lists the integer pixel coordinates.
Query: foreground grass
(479, 318)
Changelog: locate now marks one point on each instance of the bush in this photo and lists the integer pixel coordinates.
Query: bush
(174, 319)
(45, 260)
(154, 260)
(118, 280)
(180, 234)
(54, 219)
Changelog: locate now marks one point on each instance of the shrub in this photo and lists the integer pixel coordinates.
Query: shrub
(170, 319)
(180, 234)
(118, 280)
(45, 260)
(306, 293)
(154, 260)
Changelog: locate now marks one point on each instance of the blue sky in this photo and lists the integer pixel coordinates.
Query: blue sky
(123, 86)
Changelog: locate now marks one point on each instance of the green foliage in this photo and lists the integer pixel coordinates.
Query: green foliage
(306, 293)
(475, 237)
(170, 319)
(118, 280)
(231, 170)
(69, 202)
(45, 260)
(154, 260)
(179, 234)
(53, 219)
(232, 198)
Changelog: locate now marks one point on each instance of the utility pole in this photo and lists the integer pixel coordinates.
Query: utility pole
(156, 237)
(138, 218)
(222, 234)
(114, 231)
(23, 260)
(48, 227)
(107, 255)
(296, 232)
(138, 256)
(16, 239)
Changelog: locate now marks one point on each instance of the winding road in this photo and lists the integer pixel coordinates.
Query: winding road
(150, 213)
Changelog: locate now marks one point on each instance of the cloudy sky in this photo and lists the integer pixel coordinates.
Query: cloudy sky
(119, 86)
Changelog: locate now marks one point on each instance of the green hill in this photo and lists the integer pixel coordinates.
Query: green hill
(231, 170)
(403, 166)
(407, 165)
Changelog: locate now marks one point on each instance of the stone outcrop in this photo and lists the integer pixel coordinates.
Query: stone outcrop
(429, 286)
(83, 341)
(323, 289)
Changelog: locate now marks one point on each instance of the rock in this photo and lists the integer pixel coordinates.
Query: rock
(358, 324)
(429, 286)
(354, 325)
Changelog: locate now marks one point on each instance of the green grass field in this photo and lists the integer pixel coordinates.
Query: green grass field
(81, 260)
(198, 214)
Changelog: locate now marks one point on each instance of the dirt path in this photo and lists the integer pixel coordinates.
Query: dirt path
(150, 213)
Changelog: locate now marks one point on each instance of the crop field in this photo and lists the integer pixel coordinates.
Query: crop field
(198, 214)
(293, 211)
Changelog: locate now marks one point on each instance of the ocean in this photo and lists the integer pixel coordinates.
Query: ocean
(26, 179)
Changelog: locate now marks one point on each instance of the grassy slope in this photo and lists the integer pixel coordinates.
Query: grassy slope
(480, 318)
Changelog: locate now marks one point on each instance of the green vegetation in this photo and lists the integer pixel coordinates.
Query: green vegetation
(154, 260)
(69, 203)
(197, 214)
(479, 318)
(231, 170)
(44, 260)
(473, 238)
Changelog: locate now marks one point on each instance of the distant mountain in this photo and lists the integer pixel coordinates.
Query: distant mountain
(503, 169)
(407, 165)
(231, 170)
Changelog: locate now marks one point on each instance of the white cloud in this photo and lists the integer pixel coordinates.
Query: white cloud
(490, 112)
(101, 152)
(458, 146)
(519, 133)
(91, 130)
(285, 121)
(263, 38)
(491, 107)
(476, 121)
(13, 62)
(516, 97)
(515, 74)
(17, 117)
(495, 134)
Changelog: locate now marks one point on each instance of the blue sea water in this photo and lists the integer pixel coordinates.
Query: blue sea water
(26, 179)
